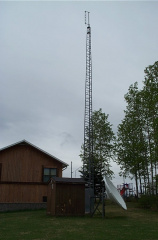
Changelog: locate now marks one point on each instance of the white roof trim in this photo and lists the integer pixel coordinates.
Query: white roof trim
(64, 164)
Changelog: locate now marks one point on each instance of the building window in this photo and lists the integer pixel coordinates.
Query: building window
(48, 173)
(44, 198)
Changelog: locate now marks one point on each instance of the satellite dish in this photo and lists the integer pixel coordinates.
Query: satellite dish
(113, 194)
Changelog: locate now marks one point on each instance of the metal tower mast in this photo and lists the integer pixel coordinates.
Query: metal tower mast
(88, 126)
(88, 163)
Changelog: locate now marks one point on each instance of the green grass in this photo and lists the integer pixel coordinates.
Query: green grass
(133, 224)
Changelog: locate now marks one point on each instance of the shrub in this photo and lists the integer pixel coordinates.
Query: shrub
(149, 202)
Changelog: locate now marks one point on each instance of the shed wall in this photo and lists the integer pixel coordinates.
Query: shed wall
(51, 200)
(66, 199)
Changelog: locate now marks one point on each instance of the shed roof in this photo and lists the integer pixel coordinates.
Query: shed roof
(64, 165)
(68, 180)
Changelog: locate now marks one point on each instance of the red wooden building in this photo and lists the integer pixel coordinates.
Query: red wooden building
(25, 171)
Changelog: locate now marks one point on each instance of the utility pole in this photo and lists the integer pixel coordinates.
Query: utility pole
(71, 169)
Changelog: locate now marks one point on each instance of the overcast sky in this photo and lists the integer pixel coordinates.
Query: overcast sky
(43, 67)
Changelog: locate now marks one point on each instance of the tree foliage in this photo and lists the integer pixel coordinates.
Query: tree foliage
(137, 137)
(103, 149)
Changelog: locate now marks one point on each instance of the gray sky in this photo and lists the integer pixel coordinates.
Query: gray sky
(42, 68)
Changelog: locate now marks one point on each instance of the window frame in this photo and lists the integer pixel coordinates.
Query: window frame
(47, 177)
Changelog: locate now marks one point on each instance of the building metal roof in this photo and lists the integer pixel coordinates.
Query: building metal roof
(64, 165)
(68, 180)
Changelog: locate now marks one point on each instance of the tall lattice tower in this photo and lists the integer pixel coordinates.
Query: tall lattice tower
(88, 126)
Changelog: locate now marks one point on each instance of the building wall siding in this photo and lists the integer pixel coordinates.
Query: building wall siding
(21, 175)
(23, 163)
(66, 199)
(19, 193)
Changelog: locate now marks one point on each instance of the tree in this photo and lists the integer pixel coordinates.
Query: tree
(137, 138)
(131, 147)
(150, 114)
(103, 149)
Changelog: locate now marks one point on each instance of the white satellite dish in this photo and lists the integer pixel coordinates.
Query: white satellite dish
(113, 194)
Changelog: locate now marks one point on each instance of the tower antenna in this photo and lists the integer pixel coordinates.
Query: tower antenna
(88, 170)
(88, 161)
(87, 18)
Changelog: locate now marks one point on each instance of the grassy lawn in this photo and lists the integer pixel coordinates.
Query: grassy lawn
(133, 224)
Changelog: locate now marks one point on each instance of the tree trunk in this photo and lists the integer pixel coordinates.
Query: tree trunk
(136, 181)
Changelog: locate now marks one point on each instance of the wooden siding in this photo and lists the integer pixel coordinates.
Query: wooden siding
(23, 163)
(22, 193)
(66, 199)
(70, 199)
(51, 200)
(0, 170)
